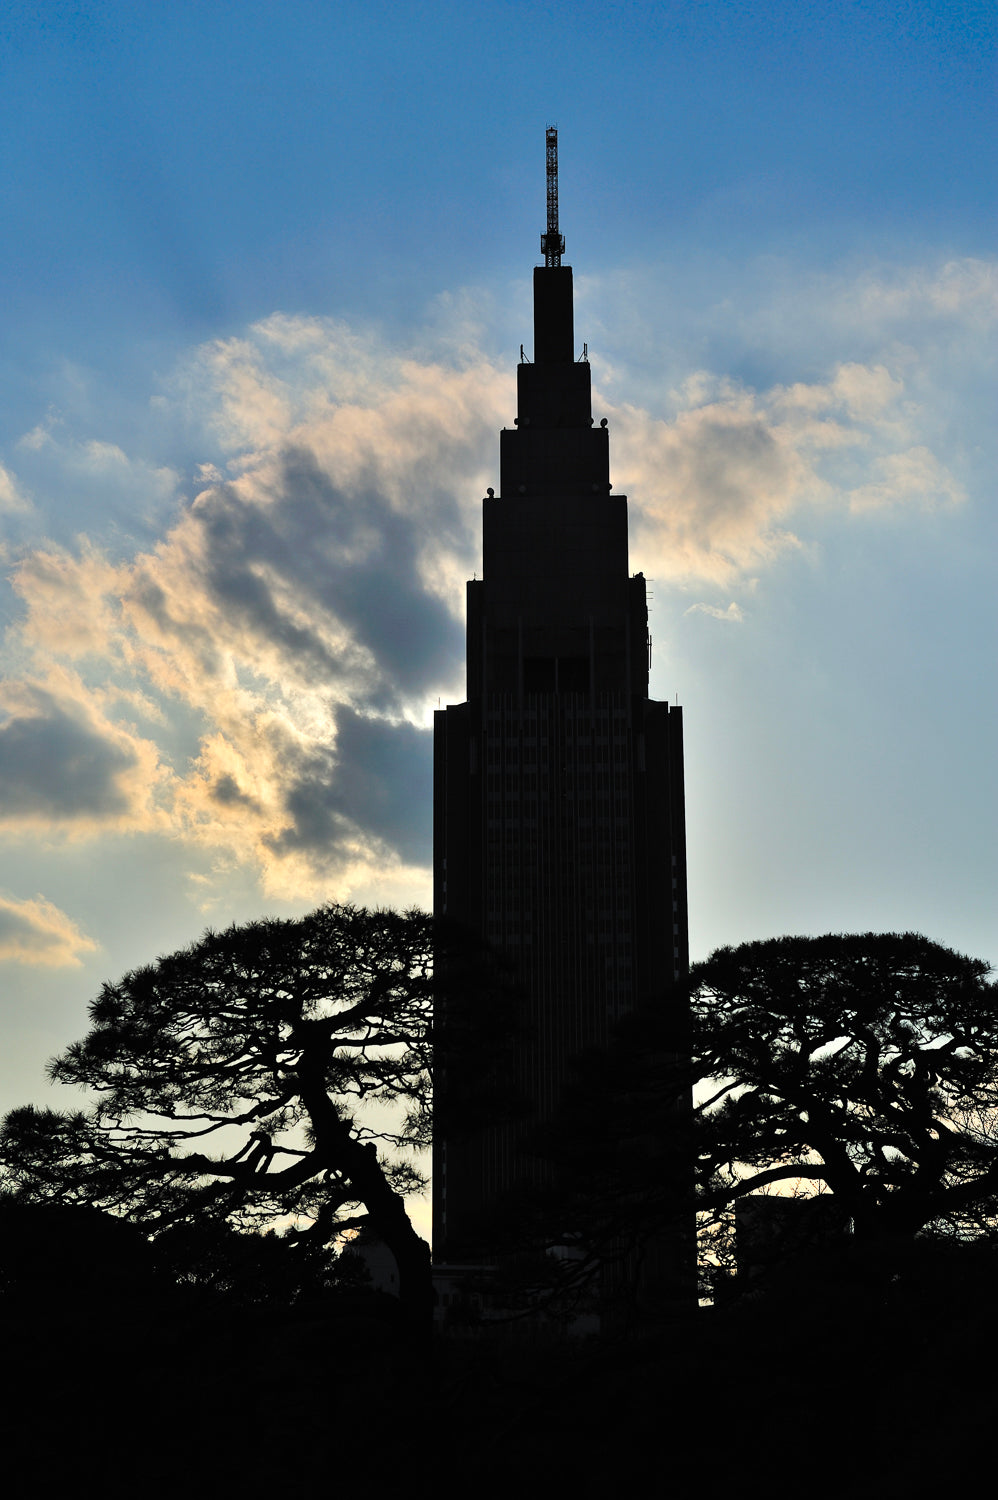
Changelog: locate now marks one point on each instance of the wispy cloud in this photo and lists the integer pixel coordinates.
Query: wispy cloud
(733, 614)
(66, 470)
(12, 496)
(36, 932)
(964, 290)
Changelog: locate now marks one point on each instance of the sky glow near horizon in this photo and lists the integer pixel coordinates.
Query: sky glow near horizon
(266, 290)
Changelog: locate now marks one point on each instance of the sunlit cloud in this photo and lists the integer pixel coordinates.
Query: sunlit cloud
(258, 683)
(36, 932)
(303, 614)
(718, 483)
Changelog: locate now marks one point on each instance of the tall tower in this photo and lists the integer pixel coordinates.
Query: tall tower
(559, 831)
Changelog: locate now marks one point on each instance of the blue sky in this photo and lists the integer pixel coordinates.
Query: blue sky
(266, 273)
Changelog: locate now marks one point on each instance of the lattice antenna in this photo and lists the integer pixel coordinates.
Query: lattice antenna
(552, 243)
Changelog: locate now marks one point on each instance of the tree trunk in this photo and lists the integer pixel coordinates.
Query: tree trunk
(358, 1162)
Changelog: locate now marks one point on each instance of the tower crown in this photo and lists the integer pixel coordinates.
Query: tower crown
(554, 333)
(552, 242)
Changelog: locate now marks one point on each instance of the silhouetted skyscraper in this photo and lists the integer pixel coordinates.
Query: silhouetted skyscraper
(559, 830)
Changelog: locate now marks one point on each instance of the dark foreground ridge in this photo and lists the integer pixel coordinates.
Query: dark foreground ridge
(856, 1384)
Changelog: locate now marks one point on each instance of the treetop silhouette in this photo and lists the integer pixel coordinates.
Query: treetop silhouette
(864, 1064)
(276, 1071)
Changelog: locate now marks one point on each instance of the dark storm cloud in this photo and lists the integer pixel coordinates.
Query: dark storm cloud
(385, 781)
(383, 598)
(379, 781)
(346, 551)
(56, 765)
(227, 791)
(236, 538)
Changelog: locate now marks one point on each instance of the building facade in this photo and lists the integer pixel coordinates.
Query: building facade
(559, 831)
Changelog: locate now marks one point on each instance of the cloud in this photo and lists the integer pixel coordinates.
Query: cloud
(37, 438)
(381, 781)
(713, 485)
(297, 621)
(65, 766)
(72, 474)
(775, 322)
(36, 932)
(12, 497)
(258, 681)
(718, 482)
(70, 598)
(915, 475)
(964, 289)
(733, 613)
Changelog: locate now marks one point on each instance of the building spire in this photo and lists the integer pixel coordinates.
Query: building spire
(552, 243)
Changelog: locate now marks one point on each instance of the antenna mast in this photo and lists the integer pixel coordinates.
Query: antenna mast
(552, 243)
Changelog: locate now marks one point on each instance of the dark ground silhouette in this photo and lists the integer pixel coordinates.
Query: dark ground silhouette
(850, 1382)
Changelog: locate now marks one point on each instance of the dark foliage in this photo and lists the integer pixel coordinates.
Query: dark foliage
(274, 1073)
(865, 1066)
(73, 1254)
